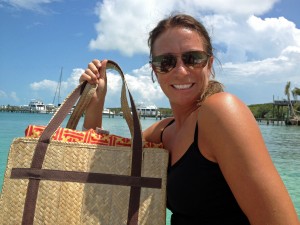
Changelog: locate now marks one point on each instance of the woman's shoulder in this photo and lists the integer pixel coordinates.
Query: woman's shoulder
(225, 118)
(222, 103)
(223, 108)
(221, 98)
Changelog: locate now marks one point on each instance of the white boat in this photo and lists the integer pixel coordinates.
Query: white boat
(37, 106)
(147, 110)
(108, 112)
(294, 121)
(51, 108)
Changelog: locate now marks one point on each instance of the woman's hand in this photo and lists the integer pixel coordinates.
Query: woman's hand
(95, 74)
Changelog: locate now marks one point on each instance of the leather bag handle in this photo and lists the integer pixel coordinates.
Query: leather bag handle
(88, 93)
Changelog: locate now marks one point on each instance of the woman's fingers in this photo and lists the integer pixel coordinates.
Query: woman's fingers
(91, 74)
(88, 76)
(102, 69)
(94, 67)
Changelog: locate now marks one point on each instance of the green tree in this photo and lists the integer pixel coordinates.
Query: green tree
(296, 92)
(262, 110)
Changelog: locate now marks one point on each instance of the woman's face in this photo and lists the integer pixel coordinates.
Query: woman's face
(182, 85)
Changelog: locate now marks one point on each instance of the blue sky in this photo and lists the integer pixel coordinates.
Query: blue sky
(256, 42)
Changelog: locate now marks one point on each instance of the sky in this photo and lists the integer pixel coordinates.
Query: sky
(256, 44)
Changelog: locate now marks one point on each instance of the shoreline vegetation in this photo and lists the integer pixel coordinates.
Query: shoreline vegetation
(267, 111)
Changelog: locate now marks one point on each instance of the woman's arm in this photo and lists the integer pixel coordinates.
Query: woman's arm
(95, 74)
(229, 135)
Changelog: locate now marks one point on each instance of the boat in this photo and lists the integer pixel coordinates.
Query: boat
(108, 112)
(293, 121)
(51, 108)
(150, 110)
(37, 106)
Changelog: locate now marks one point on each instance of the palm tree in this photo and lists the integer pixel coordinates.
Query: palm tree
(296, 92)
(287, 93)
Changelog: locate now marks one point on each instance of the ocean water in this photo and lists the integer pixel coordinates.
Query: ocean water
(283, 143)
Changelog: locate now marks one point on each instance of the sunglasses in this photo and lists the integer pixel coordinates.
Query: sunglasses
(193, 59)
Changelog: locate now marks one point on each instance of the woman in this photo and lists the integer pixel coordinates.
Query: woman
(220, 171)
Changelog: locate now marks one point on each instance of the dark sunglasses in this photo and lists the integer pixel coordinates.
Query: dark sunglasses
(193, 59)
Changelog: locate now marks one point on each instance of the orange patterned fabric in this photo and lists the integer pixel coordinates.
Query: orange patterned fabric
(90, 136)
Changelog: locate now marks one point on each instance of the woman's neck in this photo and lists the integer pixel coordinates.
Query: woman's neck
(182, 113)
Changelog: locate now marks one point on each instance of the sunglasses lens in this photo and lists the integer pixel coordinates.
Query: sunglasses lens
(195, 59)
(164, 63)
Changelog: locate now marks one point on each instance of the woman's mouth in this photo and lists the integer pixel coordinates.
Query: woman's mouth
(182, 86)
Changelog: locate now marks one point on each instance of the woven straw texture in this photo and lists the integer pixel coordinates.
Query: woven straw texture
(77, 203)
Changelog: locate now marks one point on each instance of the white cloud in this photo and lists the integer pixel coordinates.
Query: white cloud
(33, 5)
(13, 95)
(51, 87)
(121, 29)
(244, 35)
(73, 80)
(139, 83)
(124, 25)
(3, 94)
(268, 70)
(144, 90)
(44, 85)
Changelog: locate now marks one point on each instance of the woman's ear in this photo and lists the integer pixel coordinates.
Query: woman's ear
(152, 76)
(210, 67)
(210, 63)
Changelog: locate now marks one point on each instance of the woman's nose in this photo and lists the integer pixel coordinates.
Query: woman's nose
(180, 67)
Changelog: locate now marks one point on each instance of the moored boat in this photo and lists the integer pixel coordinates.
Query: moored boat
(108, 112)
(147, 110)
(295, 120)
(37, 106)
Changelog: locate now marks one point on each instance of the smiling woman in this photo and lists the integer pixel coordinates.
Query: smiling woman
(224, 137)
(214, 154)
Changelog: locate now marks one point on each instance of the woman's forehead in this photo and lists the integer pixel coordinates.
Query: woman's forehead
(177, 40)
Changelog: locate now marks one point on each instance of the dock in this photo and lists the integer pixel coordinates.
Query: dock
(279, 106)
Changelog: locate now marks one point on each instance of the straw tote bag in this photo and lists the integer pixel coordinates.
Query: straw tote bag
(57, 182)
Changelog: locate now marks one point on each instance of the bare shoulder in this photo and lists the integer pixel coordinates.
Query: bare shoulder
(225, 108)
(222, 102)
(225, 118)
(153, 133)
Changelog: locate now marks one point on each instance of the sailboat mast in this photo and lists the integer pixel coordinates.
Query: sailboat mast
(59, 85)
(58, 89)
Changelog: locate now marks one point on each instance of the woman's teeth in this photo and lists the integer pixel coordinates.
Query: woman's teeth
(182, 86)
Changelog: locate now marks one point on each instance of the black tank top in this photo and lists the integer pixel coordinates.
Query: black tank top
(197, 193)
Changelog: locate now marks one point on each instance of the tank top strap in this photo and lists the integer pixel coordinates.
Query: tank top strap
(162, 132)
(196, 134)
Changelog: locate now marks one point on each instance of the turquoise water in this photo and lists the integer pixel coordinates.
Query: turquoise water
(283, 143)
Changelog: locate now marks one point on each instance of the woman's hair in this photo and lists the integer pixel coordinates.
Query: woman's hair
(184, 21)
(189, 22)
